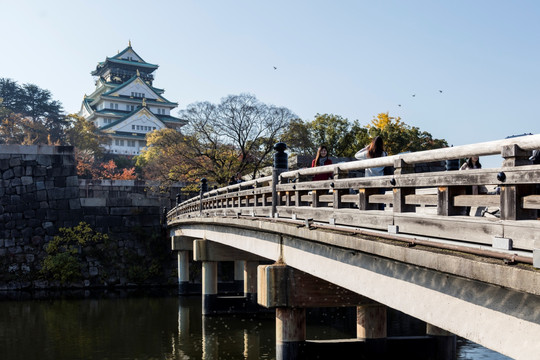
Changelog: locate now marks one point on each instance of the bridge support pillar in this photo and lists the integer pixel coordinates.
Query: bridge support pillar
(371, 321)
(210, 253)
(445, 342)
(183, 272)
(250, 282)
(290, 333)
(182, 245)
(239, 275)
(209, 286)
(371, 327)
(290, 292)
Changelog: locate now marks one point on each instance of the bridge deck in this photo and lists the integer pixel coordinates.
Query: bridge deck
(443, 249)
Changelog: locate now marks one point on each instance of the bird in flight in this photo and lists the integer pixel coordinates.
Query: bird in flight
(413, 95)
(275, 68)
(440, 91)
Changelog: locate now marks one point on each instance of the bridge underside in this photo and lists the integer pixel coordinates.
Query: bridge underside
(477, 298)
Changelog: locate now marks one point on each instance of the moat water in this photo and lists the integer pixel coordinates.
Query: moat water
(133, 325)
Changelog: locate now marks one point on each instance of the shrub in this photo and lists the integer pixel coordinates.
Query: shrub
(65, 252)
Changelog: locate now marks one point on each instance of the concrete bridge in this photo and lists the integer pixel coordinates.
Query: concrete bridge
(463, 260)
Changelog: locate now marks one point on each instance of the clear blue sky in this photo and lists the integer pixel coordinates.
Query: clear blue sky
(350, 58)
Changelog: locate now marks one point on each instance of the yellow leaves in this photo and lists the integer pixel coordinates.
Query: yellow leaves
(383, 120)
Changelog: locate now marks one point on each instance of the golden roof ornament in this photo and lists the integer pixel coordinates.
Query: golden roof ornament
(129, 42)
(138, 74)
(144, 102)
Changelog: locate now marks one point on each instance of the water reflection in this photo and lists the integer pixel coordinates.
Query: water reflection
(154, 327)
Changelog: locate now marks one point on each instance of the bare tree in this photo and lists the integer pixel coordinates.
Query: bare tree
(238, 122)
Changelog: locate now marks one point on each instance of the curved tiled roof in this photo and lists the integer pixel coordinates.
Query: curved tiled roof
(133, 78)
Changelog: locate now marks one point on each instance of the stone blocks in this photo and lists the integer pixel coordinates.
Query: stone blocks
(40, 193)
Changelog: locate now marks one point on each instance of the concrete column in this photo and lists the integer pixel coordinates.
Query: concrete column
(209, 286)
(290, 333)
(371, 321)
(183, 272)
(239, 275)
(250, 281)
(445, 343)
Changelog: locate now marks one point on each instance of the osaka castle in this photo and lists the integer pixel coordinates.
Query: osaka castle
(125, 105)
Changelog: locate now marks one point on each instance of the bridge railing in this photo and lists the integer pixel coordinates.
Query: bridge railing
(435, 204)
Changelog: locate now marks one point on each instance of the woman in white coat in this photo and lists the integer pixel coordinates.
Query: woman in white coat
(373, 150)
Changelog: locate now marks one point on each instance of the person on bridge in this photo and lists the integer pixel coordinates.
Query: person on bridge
(472, 163)
(320, 160)
(373, 150)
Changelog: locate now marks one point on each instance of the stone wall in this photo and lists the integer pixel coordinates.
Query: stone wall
(41, 193)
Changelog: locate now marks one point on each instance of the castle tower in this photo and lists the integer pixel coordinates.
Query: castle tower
(125, 105)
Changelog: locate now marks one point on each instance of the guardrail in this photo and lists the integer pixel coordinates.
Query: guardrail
(427, 204)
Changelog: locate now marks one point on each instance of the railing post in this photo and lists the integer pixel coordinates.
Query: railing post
(363, 199)
(445, 200)
(280, 165)
(511, 195)
(204, 188)
(446, 194)
(339, 174)
(399, 205)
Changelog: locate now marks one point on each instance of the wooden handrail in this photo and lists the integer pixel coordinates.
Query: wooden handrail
(518, 199)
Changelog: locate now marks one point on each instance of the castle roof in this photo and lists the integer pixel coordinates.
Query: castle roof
(160, 99)
(126, 115)
(128, 57)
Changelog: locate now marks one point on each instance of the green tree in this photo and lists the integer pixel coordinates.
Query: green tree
(37, 106)
(338, 134)
(298, 138)
(332, 131)
(12, 95)
(84, 135)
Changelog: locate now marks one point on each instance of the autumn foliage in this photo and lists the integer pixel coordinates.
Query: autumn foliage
(89, 168)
